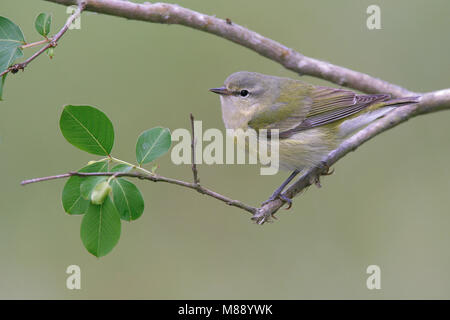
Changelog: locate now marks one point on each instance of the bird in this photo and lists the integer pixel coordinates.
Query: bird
(311, 120)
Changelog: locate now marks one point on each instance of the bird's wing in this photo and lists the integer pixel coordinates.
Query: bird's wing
(330, 104)
(288, 111)
(320, 106)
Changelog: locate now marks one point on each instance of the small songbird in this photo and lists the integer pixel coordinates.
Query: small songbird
(312, 120)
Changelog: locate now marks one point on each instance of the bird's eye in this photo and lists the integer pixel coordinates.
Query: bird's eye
(244, 93)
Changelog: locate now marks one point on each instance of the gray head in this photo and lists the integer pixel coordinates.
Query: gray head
(244, 94)
(245, 88)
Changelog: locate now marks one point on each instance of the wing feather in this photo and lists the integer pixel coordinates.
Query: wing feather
(312, 106)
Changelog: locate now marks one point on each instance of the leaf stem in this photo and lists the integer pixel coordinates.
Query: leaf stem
(34, 44)
(96, 161)
(135, 167)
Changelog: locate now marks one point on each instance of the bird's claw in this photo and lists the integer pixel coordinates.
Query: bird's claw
(326, 170)
(262, 216)
(280, 196)
(287, 200)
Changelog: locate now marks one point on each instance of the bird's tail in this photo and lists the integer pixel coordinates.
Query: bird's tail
(397, 102)
(375, 111)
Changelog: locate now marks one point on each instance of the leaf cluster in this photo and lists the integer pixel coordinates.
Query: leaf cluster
(105, 200)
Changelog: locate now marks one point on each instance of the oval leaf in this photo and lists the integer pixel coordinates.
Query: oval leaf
(128, 199)
(152, 144)
(72, 200)
(100, 228)
(11, 38)
(88, 129)
(42, 24)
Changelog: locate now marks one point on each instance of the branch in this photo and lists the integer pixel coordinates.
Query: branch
(154, 178)
(157, 178)
(290, 59)
(287, 57)
(51, 43)
(194, 165)
(173, 14)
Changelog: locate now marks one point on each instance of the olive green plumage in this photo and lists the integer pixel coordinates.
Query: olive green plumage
(312, 120)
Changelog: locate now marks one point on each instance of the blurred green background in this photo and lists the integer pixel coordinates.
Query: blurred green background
(386, 204)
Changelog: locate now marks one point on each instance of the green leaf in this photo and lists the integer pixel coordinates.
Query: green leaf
(50, 52)
(2, 82)
(121, 168)
(42, 24)
(127, 198)
(72, 200)
(88, 129)
(11, 38)
(152, 144)
(89, 184)
(100, 228)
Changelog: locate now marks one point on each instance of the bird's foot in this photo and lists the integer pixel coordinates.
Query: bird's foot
(281, 196)
(326, 170)
(263, 215)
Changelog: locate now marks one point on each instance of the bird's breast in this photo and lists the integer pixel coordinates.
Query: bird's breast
(234, 116)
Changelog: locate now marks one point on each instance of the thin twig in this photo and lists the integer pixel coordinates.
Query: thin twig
(35, 44)
(194, 165)
(35, 180)
(51, 43)
(154, 178)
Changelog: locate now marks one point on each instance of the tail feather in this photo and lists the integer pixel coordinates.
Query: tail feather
(402, 101)
(356, 123)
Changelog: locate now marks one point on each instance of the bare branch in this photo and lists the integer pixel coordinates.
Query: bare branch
(287, 57)
(35, 180)
(194, 165)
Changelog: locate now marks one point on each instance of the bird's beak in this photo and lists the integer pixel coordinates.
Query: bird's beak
(221, 90)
